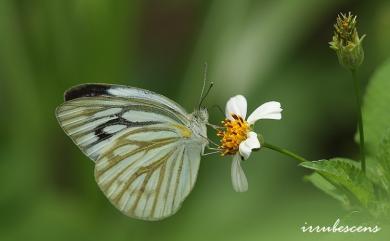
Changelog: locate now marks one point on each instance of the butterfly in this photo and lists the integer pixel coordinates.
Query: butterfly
(146, 147)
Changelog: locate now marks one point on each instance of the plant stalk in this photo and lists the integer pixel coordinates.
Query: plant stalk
(284, 152)
(360, 120)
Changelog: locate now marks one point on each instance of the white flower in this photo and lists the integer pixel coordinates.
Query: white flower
(238, 139)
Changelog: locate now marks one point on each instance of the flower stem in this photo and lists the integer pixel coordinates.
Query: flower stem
(284, 152)
(360, 120)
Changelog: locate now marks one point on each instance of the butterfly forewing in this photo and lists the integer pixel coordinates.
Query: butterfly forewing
(94, 121)
(143, 144)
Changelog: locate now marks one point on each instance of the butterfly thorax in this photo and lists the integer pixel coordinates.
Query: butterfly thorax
(198, 120)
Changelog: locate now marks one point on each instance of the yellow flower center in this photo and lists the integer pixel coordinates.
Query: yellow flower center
(235, 131)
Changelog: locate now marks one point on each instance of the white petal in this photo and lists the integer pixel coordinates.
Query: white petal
(269, 110)
(236, 105)
(249, 144)
(240, 184)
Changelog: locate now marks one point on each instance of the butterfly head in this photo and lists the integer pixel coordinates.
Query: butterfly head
(201, 115)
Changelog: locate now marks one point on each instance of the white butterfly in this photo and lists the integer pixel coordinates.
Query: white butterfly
(146, 147)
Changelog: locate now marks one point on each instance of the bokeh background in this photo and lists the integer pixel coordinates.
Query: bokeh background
(265, 50)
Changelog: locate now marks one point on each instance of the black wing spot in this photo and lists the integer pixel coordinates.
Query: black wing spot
(99, 131)
(86, 90)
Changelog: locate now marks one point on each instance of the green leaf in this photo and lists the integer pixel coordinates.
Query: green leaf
(347, 177)
(321, 183)
(383, 159)
(376, 112)
(377, 174)
(384, 151)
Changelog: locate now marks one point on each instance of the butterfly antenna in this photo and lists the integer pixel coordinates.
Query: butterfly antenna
(203, 95)
(204, 82)
(207, 93)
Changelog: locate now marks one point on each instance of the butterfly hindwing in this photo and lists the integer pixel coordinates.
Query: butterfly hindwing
(151, 178)
(142, 143)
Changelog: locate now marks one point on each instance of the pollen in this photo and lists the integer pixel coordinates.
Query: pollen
(234, 132)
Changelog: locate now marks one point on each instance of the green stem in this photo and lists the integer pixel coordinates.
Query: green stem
(284, 152)
(360, 120)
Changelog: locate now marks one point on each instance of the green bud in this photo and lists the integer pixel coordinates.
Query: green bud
(346, 42)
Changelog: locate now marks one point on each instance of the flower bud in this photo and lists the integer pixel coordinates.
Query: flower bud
(346, 42)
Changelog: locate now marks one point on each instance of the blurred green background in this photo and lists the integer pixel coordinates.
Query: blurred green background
(265, 50)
